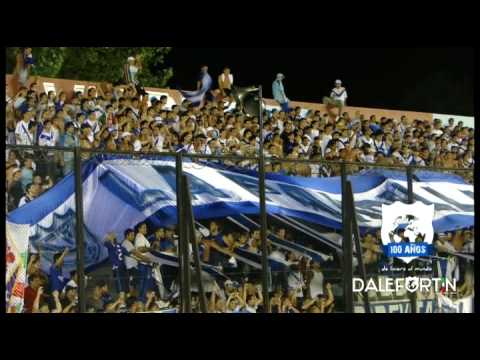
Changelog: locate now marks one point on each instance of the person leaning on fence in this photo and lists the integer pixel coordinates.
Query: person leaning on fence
(279, 95)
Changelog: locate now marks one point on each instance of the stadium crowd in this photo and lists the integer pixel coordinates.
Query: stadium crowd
(123, 118)
(141, 285)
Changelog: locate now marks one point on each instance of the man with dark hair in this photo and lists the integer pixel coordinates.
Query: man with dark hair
(31, 192)
(100, 297)
(36, 280)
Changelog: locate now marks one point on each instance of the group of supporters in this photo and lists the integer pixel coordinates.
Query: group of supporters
(123, 118)
(138, 283)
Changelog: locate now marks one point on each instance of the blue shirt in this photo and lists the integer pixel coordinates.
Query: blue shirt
(166, 244)
(116, 254)
(56, 279)
(219, 240)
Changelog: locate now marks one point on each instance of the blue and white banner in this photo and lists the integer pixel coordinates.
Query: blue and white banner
(120, 193)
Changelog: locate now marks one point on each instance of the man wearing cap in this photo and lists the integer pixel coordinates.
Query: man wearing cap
(278, 91)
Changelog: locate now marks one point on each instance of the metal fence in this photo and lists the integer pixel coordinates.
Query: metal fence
(72, 159)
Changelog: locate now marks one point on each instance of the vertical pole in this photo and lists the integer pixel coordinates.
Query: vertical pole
(180, 228)
(194, 241)
(413, 296)
(187, 289)
(358, 246)
(410, 185)
(263, 210)
(79, 230)
(347, 246)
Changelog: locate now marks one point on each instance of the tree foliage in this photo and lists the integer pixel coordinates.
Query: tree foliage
(97, 64)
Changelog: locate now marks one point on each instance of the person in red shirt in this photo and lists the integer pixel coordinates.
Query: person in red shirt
(36, 281)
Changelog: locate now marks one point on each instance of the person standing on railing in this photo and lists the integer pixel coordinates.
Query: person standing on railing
(279, 95)
(225, 82)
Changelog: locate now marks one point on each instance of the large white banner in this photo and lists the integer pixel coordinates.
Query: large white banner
(16, 266)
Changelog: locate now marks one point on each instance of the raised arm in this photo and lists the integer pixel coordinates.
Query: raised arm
(58, 305)
(36, 302)
(61, 259)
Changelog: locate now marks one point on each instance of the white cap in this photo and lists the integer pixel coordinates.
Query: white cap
(339, 82)
(131, 58)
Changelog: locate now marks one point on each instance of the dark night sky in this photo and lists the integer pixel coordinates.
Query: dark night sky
(438, 80)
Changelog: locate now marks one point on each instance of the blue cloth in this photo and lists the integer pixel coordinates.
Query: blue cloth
(56, 279)
(166, 244)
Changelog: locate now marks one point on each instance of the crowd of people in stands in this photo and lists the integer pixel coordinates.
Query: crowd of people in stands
(139, 284)
(122, 118)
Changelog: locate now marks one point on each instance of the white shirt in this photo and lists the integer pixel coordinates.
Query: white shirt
(141, 241)
(158, 143)
(324, 142)
(47, 138)
(94, 125)
(130, 262)
(316, 284)
(23, 201)
(339, 94)
(295, 281)
(363, 140)
(22, 131)
(230, 77)
(137, 145)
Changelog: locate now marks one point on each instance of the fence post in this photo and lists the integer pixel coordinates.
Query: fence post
(181, 231)
(79, 230)
(411, 200)
(190, 220)
(347, 245)
(263, 210)
(358, 245)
